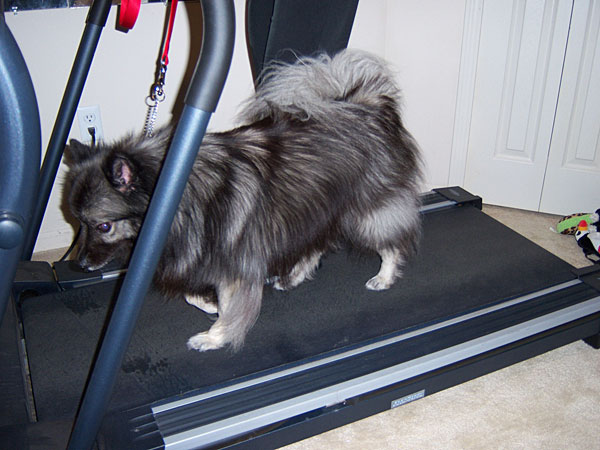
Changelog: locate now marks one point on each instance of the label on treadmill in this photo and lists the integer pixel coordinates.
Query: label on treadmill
(408, 398)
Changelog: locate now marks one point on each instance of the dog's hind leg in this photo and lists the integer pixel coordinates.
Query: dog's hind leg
(393, 231)
(303, 270)
(391, 269)
(238, 308)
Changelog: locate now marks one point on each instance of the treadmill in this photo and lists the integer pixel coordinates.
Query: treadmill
(478, 297)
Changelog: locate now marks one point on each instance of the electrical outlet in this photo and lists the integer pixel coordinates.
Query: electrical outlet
(89, 118)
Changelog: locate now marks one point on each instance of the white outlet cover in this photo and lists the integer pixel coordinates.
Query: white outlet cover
(89, 116)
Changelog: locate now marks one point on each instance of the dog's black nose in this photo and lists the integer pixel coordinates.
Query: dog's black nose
(84, 265)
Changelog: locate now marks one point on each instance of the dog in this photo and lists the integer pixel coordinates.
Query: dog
(321, 158)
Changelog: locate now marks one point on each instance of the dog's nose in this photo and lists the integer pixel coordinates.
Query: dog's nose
(84, 264)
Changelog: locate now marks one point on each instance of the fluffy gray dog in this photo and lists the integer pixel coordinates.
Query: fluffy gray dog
(321, 158)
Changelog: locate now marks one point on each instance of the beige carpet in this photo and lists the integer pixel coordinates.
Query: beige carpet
(548, 402)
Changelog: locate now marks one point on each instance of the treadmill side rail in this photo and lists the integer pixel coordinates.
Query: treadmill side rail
(228, 416)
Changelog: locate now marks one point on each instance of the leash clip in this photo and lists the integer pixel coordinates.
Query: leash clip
(157, 93)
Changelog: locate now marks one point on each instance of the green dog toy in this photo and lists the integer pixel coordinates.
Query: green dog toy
(568, 224)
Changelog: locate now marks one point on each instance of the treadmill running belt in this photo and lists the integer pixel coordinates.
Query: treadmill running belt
(466, 261)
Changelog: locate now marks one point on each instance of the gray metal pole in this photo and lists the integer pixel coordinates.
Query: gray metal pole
(95, 22)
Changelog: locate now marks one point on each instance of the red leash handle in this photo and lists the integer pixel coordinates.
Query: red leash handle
(128, 13)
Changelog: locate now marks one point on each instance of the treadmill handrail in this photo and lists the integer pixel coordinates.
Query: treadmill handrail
(20, 154)
(218, 36)
(215, 56)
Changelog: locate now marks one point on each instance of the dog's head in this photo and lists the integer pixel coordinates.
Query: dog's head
(108, 192)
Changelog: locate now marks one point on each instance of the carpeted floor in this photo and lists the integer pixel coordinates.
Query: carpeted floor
(548, 402)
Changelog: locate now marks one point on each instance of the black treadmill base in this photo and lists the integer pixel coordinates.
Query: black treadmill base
(467, 261)
(469, 268)
(146, 427)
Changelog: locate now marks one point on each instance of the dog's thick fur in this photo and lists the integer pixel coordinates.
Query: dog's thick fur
(322, 157)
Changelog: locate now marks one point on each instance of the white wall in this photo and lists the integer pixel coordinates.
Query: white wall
(424, 41)
(421, 40)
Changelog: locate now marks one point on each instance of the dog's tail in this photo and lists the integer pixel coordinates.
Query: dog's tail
(316, 87)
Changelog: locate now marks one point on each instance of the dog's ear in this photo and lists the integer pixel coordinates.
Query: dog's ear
(76, 152)
(121, 173)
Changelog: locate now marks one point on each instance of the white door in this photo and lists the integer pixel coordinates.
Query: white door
(572, 182)
(519, 65)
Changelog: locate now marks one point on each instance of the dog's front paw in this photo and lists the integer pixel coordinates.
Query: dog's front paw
(281, 285)
(204, 341)
(379, 283)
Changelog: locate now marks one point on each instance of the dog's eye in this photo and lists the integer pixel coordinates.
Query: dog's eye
(104, 227)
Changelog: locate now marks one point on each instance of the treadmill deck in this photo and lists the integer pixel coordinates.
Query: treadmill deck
(470, 287)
